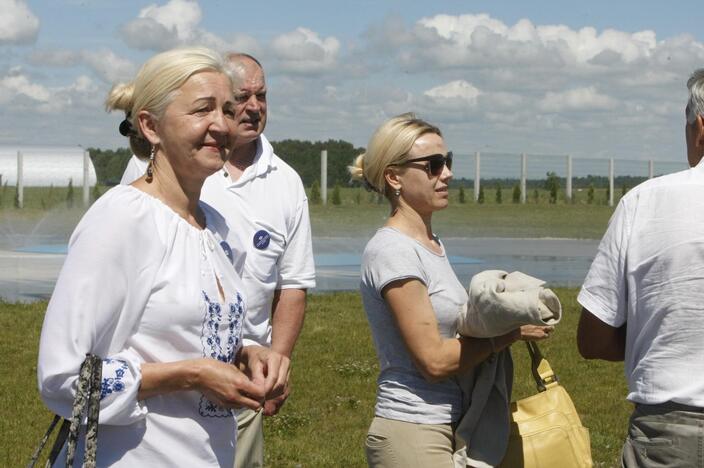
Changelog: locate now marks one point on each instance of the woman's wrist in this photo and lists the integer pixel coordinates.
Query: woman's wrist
(499, 343)
(193, 373)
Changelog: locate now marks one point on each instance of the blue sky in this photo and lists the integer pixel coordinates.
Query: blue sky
(592, 79)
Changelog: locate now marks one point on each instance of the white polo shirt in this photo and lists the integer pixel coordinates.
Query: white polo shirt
(267, 213)
(649, 273)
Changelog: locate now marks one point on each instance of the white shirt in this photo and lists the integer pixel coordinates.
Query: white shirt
(269, 202)
(649, 273)
(140, 284)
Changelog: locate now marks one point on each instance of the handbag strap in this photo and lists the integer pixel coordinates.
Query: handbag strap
(58, 442)
(543, 374)
(87, 397)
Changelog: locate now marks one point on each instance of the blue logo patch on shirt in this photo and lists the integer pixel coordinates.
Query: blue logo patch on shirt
(228, 250)
(261, 239)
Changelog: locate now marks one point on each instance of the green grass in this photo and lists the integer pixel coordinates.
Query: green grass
(352, 219)
(470, 219)
(334, 370)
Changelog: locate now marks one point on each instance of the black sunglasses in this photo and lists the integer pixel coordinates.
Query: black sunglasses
(435, 163)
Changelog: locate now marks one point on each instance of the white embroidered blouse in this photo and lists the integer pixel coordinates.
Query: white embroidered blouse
(139, 285)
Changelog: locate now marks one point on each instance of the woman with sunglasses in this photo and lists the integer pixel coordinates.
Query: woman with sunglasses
(412, 298)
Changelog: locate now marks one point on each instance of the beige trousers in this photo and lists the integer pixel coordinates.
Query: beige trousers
(250, 439)
(399, 444)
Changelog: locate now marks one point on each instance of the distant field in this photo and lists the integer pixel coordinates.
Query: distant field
(325, 420)
(358, 214)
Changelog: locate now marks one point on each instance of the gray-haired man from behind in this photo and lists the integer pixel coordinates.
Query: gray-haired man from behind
(643, 302)
(264, 202)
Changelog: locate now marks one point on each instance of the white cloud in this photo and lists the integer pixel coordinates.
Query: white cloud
(579, 99)
(177, 23)
(163, 27)
(181, 16)
(455, 92)
(572, 46)
(15, 85)
(20, 93)
(304, 52)
(148, 34)
(18, 25)
(109, 66)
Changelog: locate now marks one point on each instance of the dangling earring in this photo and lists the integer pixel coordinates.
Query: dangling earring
(397, 192)
(150, 166)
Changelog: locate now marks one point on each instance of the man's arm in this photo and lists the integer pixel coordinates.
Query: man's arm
(597, 340)
(287, 312)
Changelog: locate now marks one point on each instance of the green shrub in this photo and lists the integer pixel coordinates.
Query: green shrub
(336, 198)
(499, 195)
(516, 197)
(315, 193)
(590, 194)
(70, 194)
(480, 197)
(462, 196)
(96, 192)
(552, 185)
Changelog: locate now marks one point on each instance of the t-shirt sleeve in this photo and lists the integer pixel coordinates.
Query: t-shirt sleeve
(296, 265)
(99, 297)
(392, 260)
(605, 289)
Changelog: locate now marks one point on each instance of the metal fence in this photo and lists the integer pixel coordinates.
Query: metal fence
(527, 167)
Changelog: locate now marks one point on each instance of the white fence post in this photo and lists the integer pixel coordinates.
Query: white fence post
(568, 179)
(524, 176)
(611, 181)
(324, 176)
(20, 179)
(477, 175)
(651, 169)
(86, 181)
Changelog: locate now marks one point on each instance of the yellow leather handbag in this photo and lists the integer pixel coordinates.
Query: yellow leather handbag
(546, 431)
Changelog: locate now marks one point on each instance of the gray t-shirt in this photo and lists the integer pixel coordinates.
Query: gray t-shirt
(403, 394)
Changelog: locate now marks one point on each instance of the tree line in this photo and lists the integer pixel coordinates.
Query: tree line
(304, 157)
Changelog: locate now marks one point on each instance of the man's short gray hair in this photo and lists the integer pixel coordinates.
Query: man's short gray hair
(695, 104)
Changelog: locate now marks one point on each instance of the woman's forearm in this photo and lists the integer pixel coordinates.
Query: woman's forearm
(457, 355)
(160, 378)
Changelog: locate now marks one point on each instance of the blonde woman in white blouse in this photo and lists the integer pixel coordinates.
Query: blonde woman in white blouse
(149, 284)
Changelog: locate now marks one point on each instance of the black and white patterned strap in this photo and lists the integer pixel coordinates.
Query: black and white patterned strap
(87, 399)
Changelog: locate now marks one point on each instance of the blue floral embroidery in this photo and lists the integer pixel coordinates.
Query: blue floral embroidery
(114, 369)
(213, 345)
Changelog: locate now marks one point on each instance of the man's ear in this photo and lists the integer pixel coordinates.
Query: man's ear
(698, 125)
(392, 178)
(147, 125)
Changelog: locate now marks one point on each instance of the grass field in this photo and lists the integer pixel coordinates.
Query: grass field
(325, 420)
(353, 219)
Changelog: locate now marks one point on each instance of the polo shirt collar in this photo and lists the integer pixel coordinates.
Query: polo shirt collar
(263, 161)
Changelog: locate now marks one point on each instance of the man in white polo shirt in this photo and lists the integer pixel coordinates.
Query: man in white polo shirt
(263, 200)
(643, 302)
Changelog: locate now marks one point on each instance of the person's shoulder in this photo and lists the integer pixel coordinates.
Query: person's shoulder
(652, 187)
(387, 241)
(122, 214)
(117, 205)
(282, 167)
